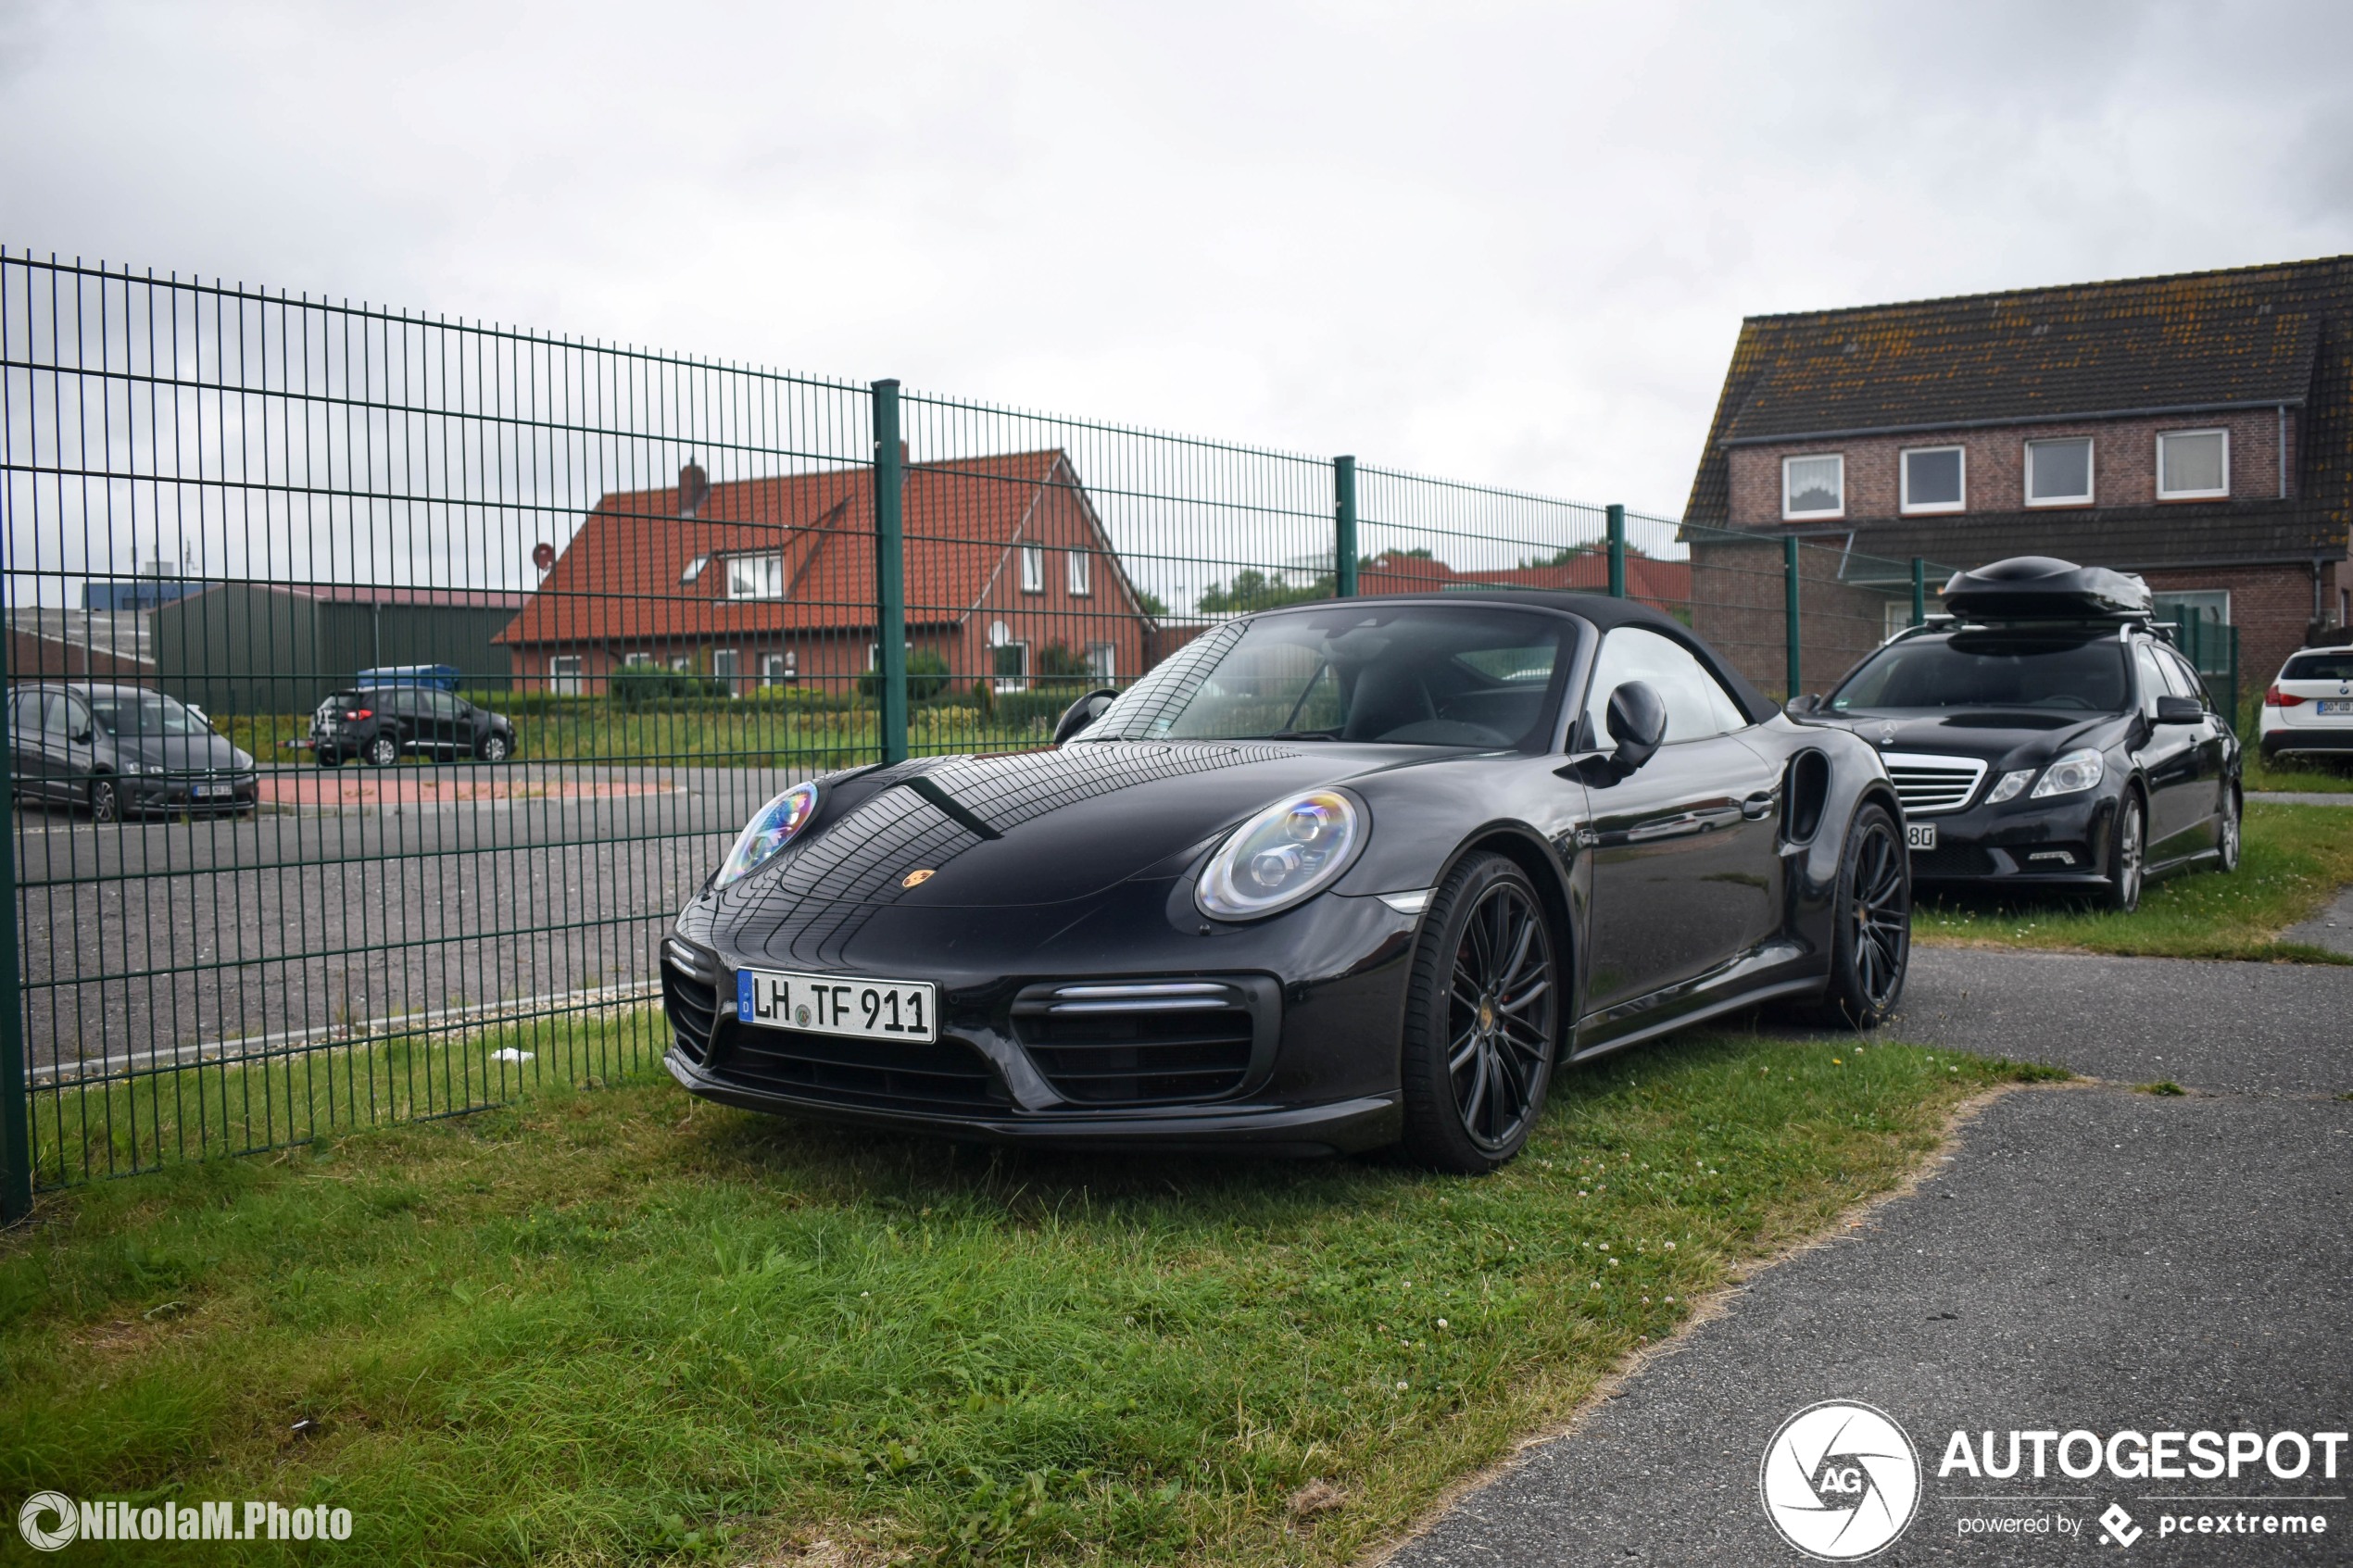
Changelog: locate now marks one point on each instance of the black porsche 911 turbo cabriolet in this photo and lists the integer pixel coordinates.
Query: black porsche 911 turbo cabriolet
(1330, 877)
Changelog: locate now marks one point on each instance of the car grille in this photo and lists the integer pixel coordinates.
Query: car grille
(948, 1074)
(1928, 784)
(1144, 1042)
(692, 1004)
(1953, 860)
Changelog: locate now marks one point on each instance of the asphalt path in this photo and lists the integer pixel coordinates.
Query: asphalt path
(2089, 1258)
(163, 941)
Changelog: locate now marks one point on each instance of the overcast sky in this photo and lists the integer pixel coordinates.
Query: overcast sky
(1507, 243)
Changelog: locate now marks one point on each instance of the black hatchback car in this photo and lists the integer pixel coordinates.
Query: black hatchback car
(2046, 734)
(382, 724)
(119, 751)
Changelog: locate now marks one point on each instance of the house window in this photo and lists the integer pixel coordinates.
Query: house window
(1102, 663)
(779, 669)
(725, 665)
(683, 663)
(1033, 569)
(563, 674)
(2059, 473)
(1078, 568)
(1896, 615)
(756, 577)
(2199, 616)
(1009, 663)
(637, 661)
(694, 568)
(2194, 465)
(1813, 487)
(1935, 480)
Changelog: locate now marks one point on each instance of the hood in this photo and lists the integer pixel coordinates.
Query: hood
(183, 754)
(1038, 827)
(2004, 737)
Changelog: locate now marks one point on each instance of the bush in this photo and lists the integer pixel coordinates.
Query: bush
(926, 678)
(646, 686)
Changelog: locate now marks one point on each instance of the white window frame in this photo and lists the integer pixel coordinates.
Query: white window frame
(1102, 661)
(636, 662)
(1791, 515)
(777, 557)
(2165, 495)
(733, 674)
(566, 675)
(779, 669)
(694, 568)
(1033, 569)
(1904, 482)
(2091, 472)
(1081, 574)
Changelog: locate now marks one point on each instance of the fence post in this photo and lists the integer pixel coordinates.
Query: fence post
(1919, 592)
(1789, 610)
(16, 1121)
(890, 574)
(1344, 527)
(1616, 551)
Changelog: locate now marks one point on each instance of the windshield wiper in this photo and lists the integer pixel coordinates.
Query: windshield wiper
(1300, 735)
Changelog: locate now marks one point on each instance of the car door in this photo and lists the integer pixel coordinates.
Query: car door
(70, 736)
(436, 720)
(30, 763)
(2168, 760)
(2212, 742)
(1686, 873)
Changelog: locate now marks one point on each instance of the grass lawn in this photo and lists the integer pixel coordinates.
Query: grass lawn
(610, 1323)
(2297, 858)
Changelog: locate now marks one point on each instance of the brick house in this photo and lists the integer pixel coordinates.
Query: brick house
(771, 582)
(2198, 429)
(1664, 584)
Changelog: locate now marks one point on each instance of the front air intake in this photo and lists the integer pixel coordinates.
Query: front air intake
(1148, 1042)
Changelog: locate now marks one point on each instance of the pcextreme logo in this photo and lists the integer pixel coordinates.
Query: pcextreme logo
(1840, 1480)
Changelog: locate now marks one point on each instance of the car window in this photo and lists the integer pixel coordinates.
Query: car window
(53, 714)
(2153, 685)
(24, 713)
(2183, 679)
(1697, 704)
(145, 713)
(77, 717)
(441, 705)
(2319, 667)
(1991, 669)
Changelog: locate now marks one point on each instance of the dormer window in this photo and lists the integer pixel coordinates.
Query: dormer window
(2059, 473)
(694, 568)
(756, 577)
(1813, 487)
(1935, 480)
(2194, 465)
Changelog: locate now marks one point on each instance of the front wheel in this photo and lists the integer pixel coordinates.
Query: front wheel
(493, 748)
(1482, 1019)
(382, 752)
(105, 801)
(1871, 935)
(2126, 843)
(2228, 841)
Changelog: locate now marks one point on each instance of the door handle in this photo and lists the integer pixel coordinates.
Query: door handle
(1760, 805)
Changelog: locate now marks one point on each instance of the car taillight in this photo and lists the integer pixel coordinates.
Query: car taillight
(2278, 698)
(357, 714)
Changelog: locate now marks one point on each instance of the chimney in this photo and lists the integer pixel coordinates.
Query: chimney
(694, 488)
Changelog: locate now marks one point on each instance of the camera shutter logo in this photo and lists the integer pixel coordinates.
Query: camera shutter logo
(48, 1537)
(1840, 1480)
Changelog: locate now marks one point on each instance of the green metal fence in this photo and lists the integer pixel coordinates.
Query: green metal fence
(672, 584)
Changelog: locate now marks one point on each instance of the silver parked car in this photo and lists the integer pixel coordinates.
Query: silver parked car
(122, 750)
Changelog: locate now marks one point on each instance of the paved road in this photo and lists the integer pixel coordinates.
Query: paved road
(164, 937)
(2091, 1258)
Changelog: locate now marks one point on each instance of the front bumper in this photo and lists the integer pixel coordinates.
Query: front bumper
(144, 792)
(2063, 844)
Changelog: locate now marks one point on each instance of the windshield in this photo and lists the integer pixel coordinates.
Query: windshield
(147, 713)
(1991, 669)
(1360, 671)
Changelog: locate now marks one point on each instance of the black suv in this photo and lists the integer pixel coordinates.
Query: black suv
(380, 723)
(2048, 734)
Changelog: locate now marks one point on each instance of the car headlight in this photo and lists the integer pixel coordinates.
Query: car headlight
(770, 828)
(1284, 855)
(2075, 771)
(2011, 784)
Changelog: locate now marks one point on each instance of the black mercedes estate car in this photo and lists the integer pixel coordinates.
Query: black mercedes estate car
(1358, 872)
(2046, 733)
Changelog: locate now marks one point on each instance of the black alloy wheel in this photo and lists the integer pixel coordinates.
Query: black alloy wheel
(2126, 854)
(1483, 1020)
(1871, 936)
(382, 751)
(2228, 841)
(105, 801)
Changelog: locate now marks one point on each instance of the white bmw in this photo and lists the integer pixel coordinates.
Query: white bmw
(2310, 708)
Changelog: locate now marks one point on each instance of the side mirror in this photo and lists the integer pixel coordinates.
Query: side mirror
(1798, 706)
(2179, 711)
(1083, 712)
(1637, 719)
(83, 737)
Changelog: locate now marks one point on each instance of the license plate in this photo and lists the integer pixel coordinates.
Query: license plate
(2330, 705)
(829, 1004)
(202, 790)
(1920, 835)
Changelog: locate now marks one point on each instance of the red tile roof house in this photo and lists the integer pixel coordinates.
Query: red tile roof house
(771, 582)
(2196, 429)
(1665, 584)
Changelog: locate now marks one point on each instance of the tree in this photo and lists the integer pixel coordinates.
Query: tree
(1253, 589)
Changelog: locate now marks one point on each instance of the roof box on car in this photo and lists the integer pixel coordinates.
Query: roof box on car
(2040, 588)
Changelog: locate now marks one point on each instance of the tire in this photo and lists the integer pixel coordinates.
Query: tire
(1872, 925)
(1482, 1016)
(493, 748)
(2127, 855)
(328, 759)
(2232, 840)
(382, 752)
(106, 801)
